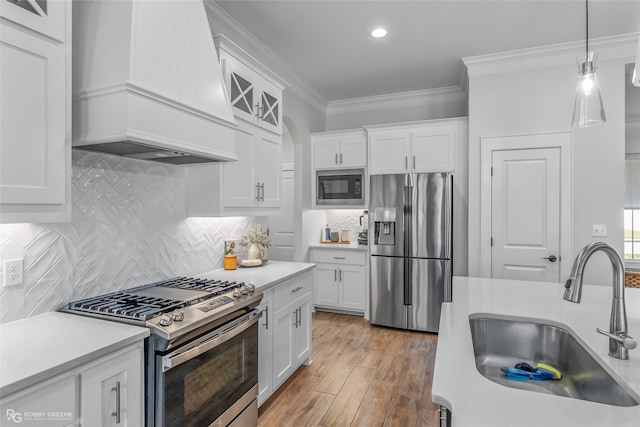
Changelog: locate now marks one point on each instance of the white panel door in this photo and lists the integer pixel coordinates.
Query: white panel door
(433, 150)
(525, 214)
(353, 152)
(265, 348)
(240, 181)
(352, 288)
(281, 227)
(269, 164)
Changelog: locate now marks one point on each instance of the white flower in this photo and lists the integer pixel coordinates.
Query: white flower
(255, 236)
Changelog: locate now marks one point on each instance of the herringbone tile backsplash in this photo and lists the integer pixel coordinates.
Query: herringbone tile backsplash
(129, 227)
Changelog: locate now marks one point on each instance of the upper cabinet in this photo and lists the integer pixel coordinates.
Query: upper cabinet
(35, 125)
(252, 185)
(254, 91)
(340, 149)
(415, 147)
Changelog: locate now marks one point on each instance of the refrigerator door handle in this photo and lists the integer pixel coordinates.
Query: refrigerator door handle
(448, 286)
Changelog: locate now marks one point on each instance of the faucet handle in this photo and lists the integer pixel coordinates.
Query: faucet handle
(627, 341)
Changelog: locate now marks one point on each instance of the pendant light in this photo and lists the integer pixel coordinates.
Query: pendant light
(588, 109)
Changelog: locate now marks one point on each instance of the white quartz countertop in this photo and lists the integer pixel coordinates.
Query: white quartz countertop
(476, 401)
(353, 246)
(40, 347)
(262, 277)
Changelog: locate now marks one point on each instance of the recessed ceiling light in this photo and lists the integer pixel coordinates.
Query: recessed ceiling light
(379, 32)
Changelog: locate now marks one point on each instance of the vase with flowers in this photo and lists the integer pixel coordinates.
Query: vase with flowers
(254, 243)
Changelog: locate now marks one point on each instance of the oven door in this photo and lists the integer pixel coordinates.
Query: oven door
(211, 379)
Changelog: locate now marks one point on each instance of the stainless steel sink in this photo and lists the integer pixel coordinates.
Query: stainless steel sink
(504, 341)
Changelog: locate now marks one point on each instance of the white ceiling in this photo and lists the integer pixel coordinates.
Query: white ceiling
(327, 43)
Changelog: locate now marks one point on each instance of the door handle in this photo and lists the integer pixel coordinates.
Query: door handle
(340, 158)
(258, 191)
(414, 162)
(406, 162)
(336, 158)
(266, 317)
(335, 275)
(551, 258)
(341, 275)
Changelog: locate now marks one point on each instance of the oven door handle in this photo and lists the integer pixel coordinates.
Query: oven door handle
(177, 358)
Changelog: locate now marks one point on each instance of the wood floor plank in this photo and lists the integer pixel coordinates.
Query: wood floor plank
(362, 375)
(346, 404)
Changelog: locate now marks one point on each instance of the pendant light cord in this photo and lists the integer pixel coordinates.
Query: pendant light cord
(586, 3)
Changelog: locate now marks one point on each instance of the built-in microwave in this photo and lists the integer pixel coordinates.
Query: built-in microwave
(340, 187)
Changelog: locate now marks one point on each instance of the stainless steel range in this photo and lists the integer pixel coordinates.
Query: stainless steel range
(202, 354)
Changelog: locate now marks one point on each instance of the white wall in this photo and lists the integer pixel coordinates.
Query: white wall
(541, 100)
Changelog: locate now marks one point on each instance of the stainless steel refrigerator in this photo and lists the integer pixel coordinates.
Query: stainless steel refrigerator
(410, 219)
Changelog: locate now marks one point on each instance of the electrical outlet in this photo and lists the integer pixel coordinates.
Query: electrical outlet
(13, 272)
(599, 230)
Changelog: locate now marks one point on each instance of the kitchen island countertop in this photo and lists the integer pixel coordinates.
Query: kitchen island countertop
(264, 276)
(476, 401)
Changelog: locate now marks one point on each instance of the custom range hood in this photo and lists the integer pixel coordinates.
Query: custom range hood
(147, 83)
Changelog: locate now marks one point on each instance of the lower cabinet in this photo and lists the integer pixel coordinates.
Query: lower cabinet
(340, 279)
(108, 391)
(287, 333)
(111, 391)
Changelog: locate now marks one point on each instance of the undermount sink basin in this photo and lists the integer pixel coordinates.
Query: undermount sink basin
(504, 341)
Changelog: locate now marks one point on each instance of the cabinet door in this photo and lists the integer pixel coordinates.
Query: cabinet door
(433, 149)
(302, 348)
(283, 344)
(352, 287)
(114, 384)
(269, 169)
(47, 17)
(241, 87)
(270, 108)
(326, 153)
(353, 152)
(265, 348)
(33, 126)
(326, 285)
(56, 397)
(389, 152)
(240, 181)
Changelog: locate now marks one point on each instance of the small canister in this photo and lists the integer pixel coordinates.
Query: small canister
(344, 235)
(230, 262)
(335, 236)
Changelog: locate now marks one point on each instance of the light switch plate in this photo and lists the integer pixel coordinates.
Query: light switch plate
(13, 272)
(599, 230)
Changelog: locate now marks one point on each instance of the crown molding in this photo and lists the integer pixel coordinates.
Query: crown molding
(225, 24)
(620, 46)
(415, 98)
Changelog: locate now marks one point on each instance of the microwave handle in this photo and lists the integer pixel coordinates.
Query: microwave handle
(172, 360)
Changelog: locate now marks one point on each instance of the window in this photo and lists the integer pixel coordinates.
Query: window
(632, 209)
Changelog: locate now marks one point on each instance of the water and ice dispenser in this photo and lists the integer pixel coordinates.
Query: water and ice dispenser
(385, 226)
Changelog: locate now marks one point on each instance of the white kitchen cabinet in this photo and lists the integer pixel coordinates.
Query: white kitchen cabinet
(254, 91)
(340, 279)
(35, 126)
(30, 407)
(415, 147)
(112, 390)
(265, 348)
(254, 181)
(339, 149)
(292, 327)
(251, 186)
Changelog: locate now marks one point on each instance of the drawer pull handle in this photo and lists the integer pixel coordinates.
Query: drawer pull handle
(339, 257)
(296, 289)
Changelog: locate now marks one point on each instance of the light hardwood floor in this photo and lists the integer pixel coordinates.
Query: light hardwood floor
(361, 375)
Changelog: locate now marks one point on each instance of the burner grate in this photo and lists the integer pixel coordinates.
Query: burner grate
(215, 287)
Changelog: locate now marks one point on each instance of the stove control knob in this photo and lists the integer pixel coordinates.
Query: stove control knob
(245, 290)
(237, 294)
(251, 288)
(177, 315)
(165, 320)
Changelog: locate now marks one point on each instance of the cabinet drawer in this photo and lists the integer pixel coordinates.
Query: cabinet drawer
(338, 256)
(291, 289)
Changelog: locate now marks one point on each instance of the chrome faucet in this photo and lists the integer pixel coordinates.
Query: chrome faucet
(619, 342)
